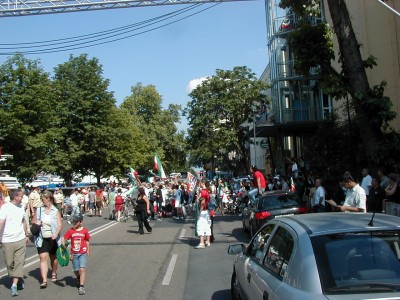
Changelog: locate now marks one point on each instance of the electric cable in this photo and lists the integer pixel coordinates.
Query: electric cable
(95, 40)
(101, 33)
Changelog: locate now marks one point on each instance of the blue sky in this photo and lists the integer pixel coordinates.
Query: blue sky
(227, 35)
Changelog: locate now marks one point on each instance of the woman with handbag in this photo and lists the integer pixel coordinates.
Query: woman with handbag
(48, 240)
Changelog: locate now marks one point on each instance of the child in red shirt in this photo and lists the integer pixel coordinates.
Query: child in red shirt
(80, 249)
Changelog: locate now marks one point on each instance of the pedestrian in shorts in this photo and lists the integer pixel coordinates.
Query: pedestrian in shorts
(80, 250)
(13, 238)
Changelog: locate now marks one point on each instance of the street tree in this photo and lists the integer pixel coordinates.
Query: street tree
(27, 116)
(85, 106)
(220, 106)
(313, 47)
(158, 127)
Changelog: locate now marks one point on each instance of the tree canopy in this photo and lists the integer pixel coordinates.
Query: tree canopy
(70, 124)
(219, 107)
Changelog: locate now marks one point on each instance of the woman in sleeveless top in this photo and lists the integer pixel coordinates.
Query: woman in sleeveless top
(143, 211)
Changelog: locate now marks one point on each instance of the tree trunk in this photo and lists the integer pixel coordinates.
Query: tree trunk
(353, 66)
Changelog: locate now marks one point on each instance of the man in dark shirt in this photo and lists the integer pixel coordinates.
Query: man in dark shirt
(376, 196)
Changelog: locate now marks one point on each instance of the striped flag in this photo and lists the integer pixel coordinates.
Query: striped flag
(133, 175)
(158, 166)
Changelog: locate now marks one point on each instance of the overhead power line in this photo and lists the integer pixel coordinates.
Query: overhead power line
(103, 37)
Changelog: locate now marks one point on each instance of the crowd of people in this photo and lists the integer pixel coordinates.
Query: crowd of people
(43, 211)
(155, 201)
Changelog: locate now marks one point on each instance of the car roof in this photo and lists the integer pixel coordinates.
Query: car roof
(277, 192)
(341, 222)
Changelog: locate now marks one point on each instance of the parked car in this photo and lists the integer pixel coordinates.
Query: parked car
(320, 256)
(270, 205)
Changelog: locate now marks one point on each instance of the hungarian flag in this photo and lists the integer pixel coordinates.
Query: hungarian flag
(158, 166)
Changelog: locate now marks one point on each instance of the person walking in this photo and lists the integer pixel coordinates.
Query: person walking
(59, 198)
(111, 204)
(48, 240)
(80, 250)
(99, 202)
(143, 211)
(92, 201)
(159, 198)
(366, 182)
(13, 239)
(34, 200)
(318, 204)
(119, 205)
(203, 225)
(74, 204)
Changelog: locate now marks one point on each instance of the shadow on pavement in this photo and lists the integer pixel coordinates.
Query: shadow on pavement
(222, 295)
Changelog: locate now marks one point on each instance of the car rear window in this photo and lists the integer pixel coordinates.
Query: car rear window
(366, 262)
(270, 202)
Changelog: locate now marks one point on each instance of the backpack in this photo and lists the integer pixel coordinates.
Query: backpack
(119, 200)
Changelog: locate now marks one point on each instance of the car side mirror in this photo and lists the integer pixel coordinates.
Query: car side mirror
(236, 249)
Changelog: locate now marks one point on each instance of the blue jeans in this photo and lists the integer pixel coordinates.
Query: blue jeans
(75, 211)
(252, 195)
(79, 261)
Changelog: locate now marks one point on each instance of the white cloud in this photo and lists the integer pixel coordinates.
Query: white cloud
(194, 83)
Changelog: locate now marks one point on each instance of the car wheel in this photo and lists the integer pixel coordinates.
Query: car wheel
(252, 232)
(234, 288)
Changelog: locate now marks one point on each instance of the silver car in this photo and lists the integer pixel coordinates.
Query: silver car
(320, 256)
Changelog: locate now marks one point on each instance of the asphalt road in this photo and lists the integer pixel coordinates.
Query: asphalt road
(124, 265)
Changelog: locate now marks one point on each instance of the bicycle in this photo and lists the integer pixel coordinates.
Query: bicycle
(126, 214)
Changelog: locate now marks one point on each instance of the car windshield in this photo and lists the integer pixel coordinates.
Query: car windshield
(358, 262)
(270, 202)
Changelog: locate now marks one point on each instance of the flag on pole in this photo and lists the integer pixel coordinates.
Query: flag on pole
(292, 186)
(158, 166)
(133, 175)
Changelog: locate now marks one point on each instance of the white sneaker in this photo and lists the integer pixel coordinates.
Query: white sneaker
(208, 244)
(200, 246)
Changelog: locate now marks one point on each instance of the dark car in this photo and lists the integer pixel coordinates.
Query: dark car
(270, 205)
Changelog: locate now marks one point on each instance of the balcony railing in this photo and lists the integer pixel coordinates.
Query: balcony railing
(285, 71)
(293, 115)
(290, 22)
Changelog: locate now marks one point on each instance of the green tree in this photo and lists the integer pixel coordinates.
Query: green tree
(219, 107)
(27, 115)
(157, 126)
(313, 47)
(85, 106)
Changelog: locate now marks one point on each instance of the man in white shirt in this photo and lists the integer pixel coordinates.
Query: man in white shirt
(74, 204)
(366, 182)
(319, 198)
(13, 238)
(355, 196)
